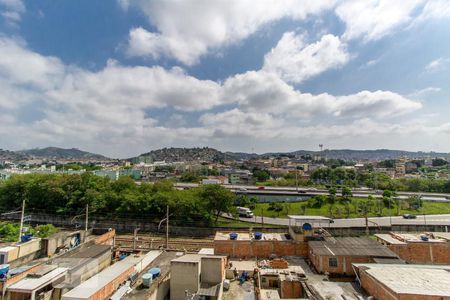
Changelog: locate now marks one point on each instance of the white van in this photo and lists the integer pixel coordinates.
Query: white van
(245, 212)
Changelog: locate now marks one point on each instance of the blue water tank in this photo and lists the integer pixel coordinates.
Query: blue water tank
(233, 236)
(424, 238)
(4, 271)
(26, 238)
(307, 226)
(258, 235)
(147, 279)
(155, 272)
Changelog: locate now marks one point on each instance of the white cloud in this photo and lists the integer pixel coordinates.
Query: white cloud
(189, 29)
(373, 20)
(423, 93)
(433, 10)
(437, 64)
(12, 10)
(295, 61)
(108, 110)
(266, 92)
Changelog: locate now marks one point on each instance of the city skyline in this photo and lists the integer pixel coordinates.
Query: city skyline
(124, 77)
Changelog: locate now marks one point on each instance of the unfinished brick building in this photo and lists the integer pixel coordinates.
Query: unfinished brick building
(246, 246)
(420, 248)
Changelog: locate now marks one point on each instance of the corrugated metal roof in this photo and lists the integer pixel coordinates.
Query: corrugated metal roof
(350, 246)
(97, 282)
(30, 284)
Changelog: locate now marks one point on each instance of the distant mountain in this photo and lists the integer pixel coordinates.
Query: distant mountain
(207, 154)
(61, 153)
(11, 155)
(348, 154)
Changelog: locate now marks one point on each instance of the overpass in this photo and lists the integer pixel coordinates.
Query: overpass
(304, 193)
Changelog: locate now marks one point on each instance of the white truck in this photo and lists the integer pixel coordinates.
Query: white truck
(245, 212)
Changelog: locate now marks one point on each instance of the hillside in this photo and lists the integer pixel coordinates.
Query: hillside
(11, 155)
(61, 153)
(182, 154)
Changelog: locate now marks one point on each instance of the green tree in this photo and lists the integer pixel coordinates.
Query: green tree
(217, 198)
(346, 194)
(261, 175)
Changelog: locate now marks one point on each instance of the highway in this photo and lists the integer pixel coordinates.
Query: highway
(360, 222)
(305, 191)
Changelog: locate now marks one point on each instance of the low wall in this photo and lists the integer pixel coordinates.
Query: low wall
(423, 252)
(260, 249)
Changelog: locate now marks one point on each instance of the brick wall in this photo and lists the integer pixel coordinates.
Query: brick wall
(344, 263)
(422, 252)
(376, 289)
(262, 249)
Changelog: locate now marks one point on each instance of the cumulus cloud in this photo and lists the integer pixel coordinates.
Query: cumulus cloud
(294, 60)
(189, 29)
(266, 92)
(107, 110)
(372, 20)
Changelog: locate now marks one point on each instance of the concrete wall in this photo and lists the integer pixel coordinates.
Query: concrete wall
(260, 249)
(184, 276)
(213, 269)
(423, 252)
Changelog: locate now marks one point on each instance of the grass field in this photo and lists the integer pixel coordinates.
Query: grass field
(340, 211)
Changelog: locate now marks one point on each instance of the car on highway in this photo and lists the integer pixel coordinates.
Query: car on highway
(301, 191)
(409, 216)
(242, 189)
(261, 187)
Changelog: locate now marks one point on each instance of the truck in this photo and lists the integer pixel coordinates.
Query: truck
(245, 212)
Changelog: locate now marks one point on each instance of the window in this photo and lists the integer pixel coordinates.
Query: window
(2, 259)
(332, 262)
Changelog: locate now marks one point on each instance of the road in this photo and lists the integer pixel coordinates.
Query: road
(360, 222)
(304, 191)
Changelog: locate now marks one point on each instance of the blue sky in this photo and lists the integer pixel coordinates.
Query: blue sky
(124, 77)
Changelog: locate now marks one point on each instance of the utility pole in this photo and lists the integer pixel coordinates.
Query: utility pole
(22, 216)
(262, 218)
(390, 212)
(167, 227)
(87, 218)
(135, 238)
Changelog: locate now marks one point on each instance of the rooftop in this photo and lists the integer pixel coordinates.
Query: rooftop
(97, 282)
(412, 279)
(189, 258)
(350, 246)
(417, 237)
(246, 236)
(29, 284)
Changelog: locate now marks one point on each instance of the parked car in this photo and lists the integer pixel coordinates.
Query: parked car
(409, 216)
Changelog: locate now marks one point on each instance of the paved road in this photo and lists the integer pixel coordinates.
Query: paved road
(360, 222)
(357, 192)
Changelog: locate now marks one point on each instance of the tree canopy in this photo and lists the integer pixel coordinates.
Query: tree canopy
(68, 195)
